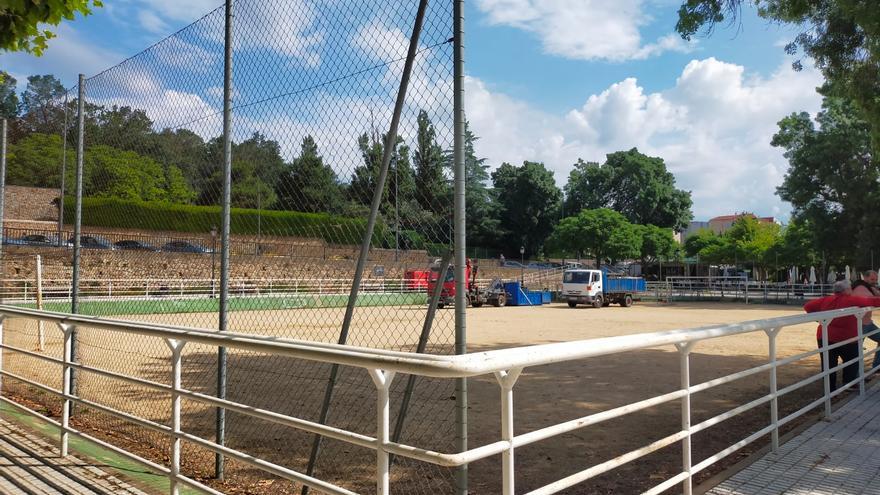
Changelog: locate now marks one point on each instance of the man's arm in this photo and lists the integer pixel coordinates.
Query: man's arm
(861, 301)
(814, 305)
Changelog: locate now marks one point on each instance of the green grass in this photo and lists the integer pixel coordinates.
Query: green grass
(207, 305)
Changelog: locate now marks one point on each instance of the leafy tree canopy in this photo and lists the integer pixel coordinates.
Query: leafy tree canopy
(602, 234)
(20, 22)
(8, 98)
(842, 37)
(528, 204)
(634, 184)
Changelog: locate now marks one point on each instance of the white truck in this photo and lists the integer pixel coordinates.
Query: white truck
(599, 288)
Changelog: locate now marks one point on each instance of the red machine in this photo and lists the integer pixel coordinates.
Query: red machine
(476, 296)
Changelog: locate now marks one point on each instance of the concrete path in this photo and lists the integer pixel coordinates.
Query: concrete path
(32, 466)
(836, 457)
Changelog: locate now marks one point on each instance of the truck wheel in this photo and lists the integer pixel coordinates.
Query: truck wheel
(572, 304)
(598, 302)
(627, 301)
(500, 301)
(477, 304)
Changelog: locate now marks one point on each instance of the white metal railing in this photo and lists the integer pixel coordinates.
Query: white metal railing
(506, 365)
(16, 291)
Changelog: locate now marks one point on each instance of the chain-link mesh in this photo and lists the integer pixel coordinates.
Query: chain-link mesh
(315, 85)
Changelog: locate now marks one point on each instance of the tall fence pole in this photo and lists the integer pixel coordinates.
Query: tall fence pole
(390, 141)
(2, 192)
(77, 224)
(63, 174)
(224, 234)
(461, 420)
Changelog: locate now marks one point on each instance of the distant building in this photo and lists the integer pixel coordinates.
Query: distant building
(691, 229)
(721, 224)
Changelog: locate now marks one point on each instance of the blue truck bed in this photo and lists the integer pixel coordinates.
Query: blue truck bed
(616, 283)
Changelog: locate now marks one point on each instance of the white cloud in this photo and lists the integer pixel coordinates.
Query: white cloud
(68, 55)
(713, 128)
(152, 22)
(177, 10)
(583, 29)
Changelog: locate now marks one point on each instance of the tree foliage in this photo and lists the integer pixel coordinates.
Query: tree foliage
(528, 204)
(8, 98)
(309, 185)
(22, 22)
(832, 177)
(842, 37)
(602, 234)
(634, 184)
(658, 244)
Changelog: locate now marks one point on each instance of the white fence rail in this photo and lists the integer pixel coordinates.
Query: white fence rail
(15, 291)
(506, 365)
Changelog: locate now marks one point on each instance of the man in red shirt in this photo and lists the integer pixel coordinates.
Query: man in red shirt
(840, 329)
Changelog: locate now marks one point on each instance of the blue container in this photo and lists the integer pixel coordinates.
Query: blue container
(546, 297)
(518, 297)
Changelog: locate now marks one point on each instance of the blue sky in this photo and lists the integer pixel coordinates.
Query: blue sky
(558, 80)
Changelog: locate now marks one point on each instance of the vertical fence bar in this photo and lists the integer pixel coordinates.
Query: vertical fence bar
(63, 174)
(77, 225)
(366, 242)
(826, 379)
(686, 460)
(225, 225)
(459, 244)
(506, 381)
(66, 385)
(176, 361)
(2, 320)
(861, 342)
(41, 339)
(774, 401)
(382, 380)
(2, 193)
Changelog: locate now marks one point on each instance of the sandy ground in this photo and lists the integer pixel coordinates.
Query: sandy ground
(543, 395)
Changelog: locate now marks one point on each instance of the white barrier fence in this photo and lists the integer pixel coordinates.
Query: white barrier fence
(506, 365)
(16, 291)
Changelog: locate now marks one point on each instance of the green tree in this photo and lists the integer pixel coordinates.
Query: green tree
(702, 242)
(528, 204)
(481, 217)
(832, 177)
(42, 105)
(22, 22)
(432, 189)
(602, 234)
(308, 184)
(658, 244)
(634, 184)
(112, 173)
(842, 37)
(35, 161)
(8, 98)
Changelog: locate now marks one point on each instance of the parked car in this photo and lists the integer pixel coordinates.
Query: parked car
(184, 247)
(92, 242)
(32, 240)
(132, 245)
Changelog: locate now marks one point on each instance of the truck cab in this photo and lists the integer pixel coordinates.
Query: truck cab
(582, 286)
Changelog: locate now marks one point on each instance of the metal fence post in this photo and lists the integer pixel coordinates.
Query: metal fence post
(2, 192)
(67, 380)
(774, 401)
(77, 225)
(686, 460)
(176, 362)
(459, 244)
(224, 233)
(388, 151)
(861, 343)
(826, 365)
(506, 381)
(63, 174)
(382, 380)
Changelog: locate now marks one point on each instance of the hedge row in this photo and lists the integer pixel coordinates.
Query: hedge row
(130, 214)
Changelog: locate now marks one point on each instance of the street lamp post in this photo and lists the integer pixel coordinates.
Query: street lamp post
(522, 265)
(213, 257)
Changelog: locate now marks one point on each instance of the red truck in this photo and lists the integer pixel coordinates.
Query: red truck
(476, 296)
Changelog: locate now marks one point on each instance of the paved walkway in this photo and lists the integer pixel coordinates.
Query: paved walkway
(837, 457)
(30, 465)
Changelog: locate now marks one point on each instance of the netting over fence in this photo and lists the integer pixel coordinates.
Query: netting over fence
(314, 89)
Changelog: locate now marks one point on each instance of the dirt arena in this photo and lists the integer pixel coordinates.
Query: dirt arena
(543, 396)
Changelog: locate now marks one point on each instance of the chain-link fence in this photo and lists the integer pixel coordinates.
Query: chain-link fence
(313, 100)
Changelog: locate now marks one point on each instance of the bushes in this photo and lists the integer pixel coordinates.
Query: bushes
(131, 214)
